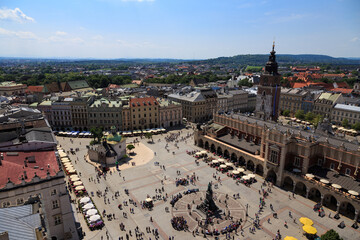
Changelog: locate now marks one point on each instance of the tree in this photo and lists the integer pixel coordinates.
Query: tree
(245, 82)
(345, 123)
(130, 147)
(309, 116)
(286, 113)
(331, 235)
(317, 119)
(356, 126)
(148, 135)
(300, 114)
(97, 134)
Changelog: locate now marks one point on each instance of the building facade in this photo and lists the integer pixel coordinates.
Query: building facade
(292, 99)
(340, 112)
(12, 89)
(197, 106)
(144, 113)
(104, 113)
(324, 104)
(61, 115)
(170, 113)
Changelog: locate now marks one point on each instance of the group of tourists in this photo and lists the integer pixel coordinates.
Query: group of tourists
(179, 223)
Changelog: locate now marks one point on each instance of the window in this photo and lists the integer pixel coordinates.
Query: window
(19, 201)
(274, 156)
(57, 219)
(347, 171)
(6, 204)
(320, 162)
(53, 192)
(332, 166)
(297, 162)
(55, 204)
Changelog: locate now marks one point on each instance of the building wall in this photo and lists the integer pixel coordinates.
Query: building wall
(51, 191)
(338, 115)
(144, 115)
(170, 115)
(105, 114)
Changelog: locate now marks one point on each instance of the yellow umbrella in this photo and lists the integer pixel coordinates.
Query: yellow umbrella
(309, 229)
(290, 238)
(306, 221)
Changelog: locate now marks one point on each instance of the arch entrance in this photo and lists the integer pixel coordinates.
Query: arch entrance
(288, 184)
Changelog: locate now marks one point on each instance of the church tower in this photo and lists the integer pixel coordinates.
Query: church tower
(268, 95)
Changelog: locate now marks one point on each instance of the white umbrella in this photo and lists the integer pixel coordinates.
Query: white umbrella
(65, 160)
(235, 172)
(309, 175)
(222, 166)
(215, 161)
(79, 188)
(94, 218)
(203, 152)
(78, 183)
(352, 192)
(74, 176)
(324, 181)
(92, 212)
(88, 206)
(68, 164)
(240, 170)
(75, 179)
(221, 160)
(336, 186)
(251, 175)
(229, 164)
(85, 200)
(245, 177)
(148, 200)
(71, 171)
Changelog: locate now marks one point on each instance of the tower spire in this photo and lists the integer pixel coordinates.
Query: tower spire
(273, 45)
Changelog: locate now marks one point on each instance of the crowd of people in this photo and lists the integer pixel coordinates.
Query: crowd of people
(179, 223)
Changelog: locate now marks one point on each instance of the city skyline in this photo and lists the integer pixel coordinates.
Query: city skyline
(108, 29)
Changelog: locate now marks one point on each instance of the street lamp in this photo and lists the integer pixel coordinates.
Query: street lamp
(247, 206)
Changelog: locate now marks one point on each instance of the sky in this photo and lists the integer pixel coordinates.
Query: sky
(182, 29)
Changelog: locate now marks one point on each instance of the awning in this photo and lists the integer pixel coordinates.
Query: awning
(245, 177)
(309, 229)
(79, 188)
(94, 218)
(352, 192)
(78, 183)
(309, 175)
(85, 200)
(324, 181)
(88, 206)
(306, 221)
(92, 212)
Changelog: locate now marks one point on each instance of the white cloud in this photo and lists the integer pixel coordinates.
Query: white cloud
(60, 33)
(18, 34)
(14, 15)
(355, 39)
(98, 37)
(288, 18)
(61, 38)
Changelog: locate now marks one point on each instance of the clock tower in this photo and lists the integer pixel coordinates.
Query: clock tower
(268, 95)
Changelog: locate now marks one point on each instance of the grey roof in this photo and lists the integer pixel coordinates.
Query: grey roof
(234, 92)
(190, 97)
(347, 107)
(40, 134)
(242, 143)
(19, 222)
(307, 134)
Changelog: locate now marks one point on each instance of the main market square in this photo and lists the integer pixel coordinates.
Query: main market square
(170, 164)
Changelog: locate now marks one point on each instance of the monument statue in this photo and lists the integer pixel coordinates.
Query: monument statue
(208, 206)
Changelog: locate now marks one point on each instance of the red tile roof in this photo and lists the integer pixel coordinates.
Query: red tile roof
(35, 88)
(143, 102)
(13, 167)
(299, 85)
(342, 90)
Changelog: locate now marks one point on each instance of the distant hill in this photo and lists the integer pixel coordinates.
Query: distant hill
(282, 59)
